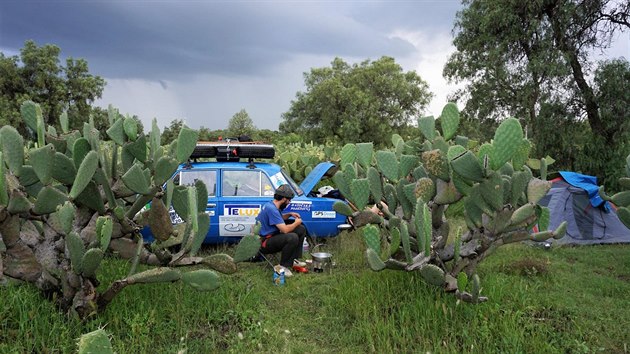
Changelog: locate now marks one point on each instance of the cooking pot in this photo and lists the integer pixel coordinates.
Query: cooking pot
(322, 261)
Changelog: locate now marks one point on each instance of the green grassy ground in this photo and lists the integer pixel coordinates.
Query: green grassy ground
(563, 300)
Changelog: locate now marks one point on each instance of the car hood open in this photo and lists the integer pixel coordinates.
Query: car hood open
(327, 169)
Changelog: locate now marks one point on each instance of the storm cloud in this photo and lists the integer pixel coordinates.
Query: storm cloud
(204, 61)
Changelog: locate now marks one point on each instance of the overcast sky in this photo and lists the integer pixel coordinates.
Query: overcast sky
(203, 61)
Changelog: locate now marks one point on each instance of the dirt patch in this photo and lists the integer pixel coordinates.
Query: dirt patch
(529, 267)
(624, 277)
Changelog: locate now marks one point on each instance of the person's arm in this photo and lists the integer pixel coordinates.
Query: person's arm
(286, 228)
(291, 214)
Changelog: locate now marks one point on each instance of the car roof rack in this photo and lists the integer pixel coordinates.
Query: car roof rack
(233, 150)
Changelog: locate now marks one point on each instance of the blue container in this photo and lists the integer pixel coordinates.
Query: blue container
(278, 277)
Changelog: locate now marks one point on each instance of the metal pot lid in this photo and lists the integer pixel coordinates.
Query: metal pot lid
(321, 255)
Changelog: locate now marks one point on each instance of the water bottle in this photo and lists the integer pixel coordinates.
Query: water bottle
(304, 247)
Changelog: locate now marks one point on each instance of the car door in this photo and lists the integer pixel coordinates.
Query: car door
(209, 178)
(243, 193)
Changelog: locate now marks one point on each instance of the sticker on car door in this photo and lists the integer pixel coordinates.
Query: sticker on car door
(238, 219)
(324, 214)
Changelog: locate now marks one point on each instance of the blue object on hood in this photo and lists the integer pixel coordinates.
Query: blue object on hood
(589, 184)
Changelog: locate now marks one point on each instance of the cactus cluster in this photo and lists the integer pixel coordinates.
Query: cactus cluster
(418, 180)
(298, 160)
(69, 198)
(622, 198)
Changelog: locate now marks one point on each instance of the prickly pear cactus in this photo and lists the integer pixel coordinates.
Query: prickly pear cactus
(621, 199)
(414, 183)
(68, 199)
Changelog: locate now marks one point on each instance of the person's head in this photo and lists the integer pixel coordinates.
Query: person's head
(284, 193)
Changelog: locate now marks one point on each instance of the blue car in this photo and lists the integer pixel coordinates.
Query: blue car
(238, 190)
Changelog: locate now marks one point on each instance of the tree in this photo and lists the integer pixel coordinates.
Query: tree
(37, 75)
(522, 58)
(241, 124)
(170, 133)
(353, 103)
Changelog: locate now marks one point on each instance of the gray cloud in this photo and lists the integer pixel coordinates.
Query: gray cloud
(203, 61)
(165, 40)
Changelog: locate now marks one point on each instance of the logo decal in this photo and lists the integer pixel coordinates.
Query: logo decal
(241, 209)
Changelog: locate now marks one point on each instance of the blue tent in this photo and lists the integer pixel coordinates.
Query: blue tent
(573, 197)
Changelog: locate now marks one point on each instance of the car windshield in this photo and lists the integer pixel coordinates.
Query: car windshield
(294, 185)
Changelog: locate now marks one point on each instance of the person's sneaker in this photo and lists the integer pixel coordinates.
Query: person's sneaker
(287, 272)
(299, 263)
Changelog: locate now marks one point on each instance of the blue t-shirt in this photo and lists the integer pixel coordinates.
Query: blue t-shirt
(269, 217)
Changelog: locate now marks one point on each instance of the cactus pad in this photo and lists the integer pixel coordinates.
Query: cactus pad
(375, 262)
(462, 281)
(395, 240)
(4, 195)
(135, 180)
(560, 231)
(432, 274)
(468, 166)
(186, 142)
(341, 184)
(424, 189)
(42, 160)
(138, 148)
(427, 127)
(202, 279)
(449, 120)
(48, 199)
(454, 151)
(76, 249)
(164, 169)
(446, 193)
(18, 203)
(387, 163)
(365, 152)
(506, 142)
(406, 243)
(342, 208)
(436, 164)
(492, 191)
(622, 198)
(63, 169)
(155, 275)
(130, 126)
(91, 261)
(204, 225)
(376, 184)
(348, 154)
(12, 147)
(95, 342)
(542, 236)
(221, 263)
(247, 248)
(84, 174)
(360, 189)
(159, 220)
(407, 164)
(537, 189)
(624, 215)
(372, 238)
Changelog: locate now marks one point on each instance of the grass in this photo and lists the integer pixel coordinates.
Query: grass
(566, 300)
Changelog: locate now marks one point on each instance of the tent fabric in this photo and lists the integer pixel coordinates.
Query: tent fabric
(588, 183)
(587, 224)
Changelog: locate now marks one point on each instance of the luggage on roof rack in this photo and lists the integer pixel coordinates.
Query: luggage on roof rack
(233, 150)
